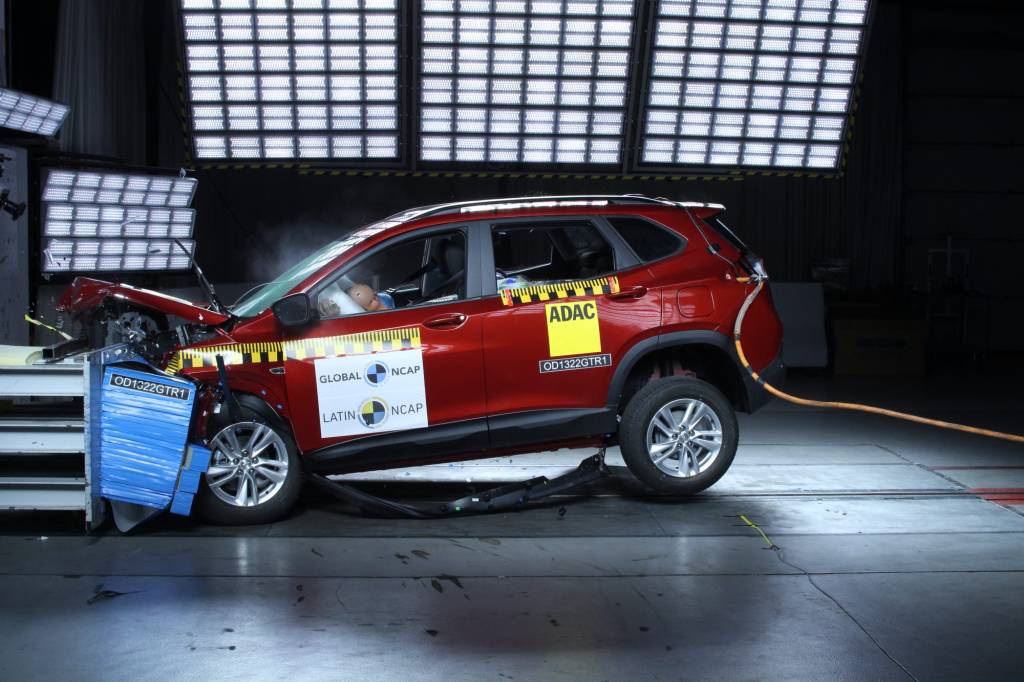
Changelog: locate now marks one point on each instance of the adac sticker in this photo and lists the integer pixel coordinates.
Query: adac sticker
(361, 394)
(573, 328)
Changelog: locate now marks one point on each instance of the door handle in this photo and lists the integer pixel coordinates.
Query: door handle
(634, 292)
(446, 321)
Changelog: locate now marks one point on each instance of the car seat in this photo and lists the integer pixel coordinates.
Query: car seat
(450, 257)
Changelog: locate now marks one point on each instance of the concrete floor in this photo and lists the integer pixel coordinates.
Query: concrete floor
(890, 564)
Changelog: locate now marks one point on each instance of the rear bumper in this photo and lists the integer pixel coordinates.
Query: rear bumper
(774, 373)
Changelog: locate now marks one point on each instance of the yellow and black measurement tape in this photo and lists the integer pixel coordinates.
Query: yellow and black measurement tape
(552, 292)
(353, 344)
(299, 349)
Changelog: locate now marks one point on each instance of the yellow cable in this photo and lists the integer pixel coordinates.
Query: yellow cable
(847, 406)
(67, 337)
(767, 540)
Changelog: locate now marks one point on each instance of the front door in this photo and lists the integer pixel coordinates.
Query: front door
(397, 348)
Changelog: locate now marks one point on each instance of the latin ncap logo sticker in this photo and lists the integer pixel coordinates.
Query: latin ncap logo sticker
(373, 412)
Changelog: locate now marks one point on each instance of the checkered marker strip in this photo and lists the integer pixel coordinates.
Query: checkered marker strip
(551, 292)
(300, 349)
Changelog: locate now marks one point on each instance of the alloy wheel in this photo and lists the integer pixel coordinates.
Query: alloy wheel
(684, 437)
(249, 464)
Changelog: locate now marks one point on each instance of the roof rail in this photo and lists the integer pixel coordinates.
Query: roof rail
(552, 201)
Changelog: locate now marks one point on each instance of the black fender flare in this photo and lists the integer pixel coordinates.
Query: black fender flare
(253, 403)
(653, 344)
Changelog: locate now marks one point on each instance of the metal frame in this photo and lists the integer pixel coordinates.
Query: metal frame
(41, 438)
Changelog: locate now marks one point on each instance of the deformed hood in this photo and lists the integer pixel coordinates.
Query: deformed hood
(86, 293)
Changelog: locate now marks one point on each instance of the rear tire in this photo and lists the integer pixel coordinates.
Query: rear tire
(678, 435)
(255, 473)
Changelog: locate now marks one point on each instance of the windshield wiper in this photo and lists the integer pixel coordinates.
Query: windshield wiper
(204, 283)
(248, 293)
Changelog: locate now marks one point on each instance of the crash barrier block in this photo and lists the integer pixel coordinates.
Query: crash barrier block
(197, 460)
(144, 425)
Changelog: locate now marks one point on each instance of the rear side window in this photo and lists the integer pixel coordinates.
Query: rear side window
(648, 241)
(527, 253)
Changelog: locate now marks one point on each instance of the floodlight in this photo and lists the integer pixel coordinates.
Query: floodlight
(108, 221)
(30, 113)
(88, 255)
(292, 79)
(524, 83)
(91, 220)
(95, 187)
(751, 83)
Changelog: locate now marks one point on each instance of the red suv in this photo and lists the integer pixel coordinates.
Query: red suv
(470, 330)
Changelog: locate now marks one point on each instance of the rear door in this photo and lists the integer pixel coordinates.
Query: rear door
(566, 305)
(413, 363)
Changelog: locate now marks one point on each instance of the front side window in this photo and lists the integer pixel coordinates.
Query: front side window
(412, 272)
(531, 254)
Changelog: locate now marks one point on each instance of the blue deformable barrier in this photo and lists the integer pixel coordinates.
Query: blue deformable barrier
(144, 427)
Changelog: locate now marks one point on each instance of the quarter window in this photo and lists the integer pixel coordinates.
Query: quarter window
(648, 241)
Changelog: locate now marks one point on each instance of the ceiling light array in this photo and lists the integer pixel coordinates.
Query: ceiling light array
(751, 83)
(98, 221)
(293, 79)
(524, 82)
(738, 83)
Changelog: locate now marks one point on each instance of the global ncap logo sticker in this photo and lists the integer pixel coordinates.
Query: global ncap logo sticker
(376, 373)
(373, 413)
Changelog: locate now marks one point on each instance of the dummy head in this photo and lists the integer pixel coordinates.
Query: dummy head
(366, 297)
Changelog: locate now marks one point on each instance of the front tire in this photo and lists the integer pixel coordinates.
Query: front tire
(255, 473)
(678, 435)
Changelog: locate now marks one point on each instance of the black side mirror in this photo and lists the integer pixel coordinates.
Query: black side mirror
(293, 310)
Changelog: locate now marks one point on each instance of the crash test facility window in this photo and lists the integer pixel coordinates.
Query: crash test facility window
(531, 254)
(648, 240)
(420, 271)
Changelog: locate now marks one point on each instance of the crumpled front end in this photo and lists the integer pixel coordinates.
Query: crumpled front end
(103, 313)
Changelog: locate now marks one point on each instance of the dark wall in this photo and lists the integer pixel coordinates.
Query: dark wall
(964, 108)
(964, 103)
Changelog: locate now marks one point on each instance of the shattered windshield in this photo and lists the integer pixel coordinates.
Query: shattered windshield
(262, 297)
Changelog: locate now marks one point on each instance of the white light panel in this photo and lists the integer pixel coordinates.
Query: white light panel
(30, 113)
(524, 82)
(292, 79)
(751, 83)
(92, 255)
(117, 188)
(102, 221)
(91, 220)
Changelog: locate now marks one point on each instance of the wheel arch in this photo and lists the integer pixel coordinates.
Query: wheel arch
(705, 353)
(252, 402)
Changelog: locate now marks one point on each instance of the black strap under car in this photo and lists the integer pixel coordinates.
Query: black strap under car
(496, 499)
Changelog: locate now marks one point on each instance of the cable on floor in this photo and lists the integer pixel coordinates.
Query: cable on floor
(796, 400)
